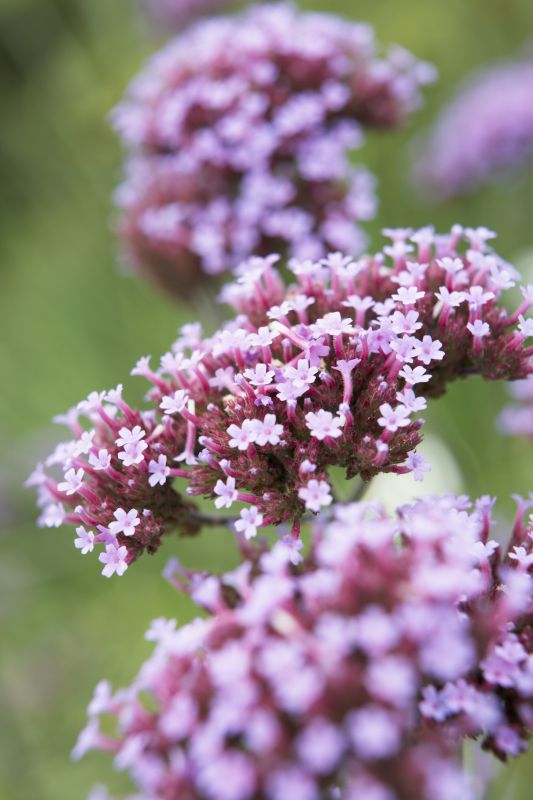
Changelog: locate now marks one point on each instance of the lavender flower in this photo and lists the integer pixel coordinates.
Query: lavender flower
(330, 371)
(486, 129)
(517, 420)
(237, 137)
(174, 15)
(329, 680)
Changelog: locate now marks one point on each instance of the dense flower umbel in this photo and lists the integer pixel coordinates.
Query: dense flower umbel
(328, 372)
(517, 420)
(238, 134)
(353, 675)
(486, 129)
(175, 14)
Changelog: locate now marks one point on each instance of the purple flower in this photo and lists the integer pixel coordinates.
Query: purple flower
(114, 560)
(267, 406)
(268, 430)
(173, 15)
(486, 130)
(132, 453)
(374, 733)
(250, 520)
(159, 471)
(323, 424)
(176, 403)
(224, 159)
(418, 465)
(517, 420)
(242, 436)
(72, 483)
(315, 494)
(226, 493)
(124, 522)
(478, 329)
(315, 676)
(393, 419)
(110, 499)
(84, 541)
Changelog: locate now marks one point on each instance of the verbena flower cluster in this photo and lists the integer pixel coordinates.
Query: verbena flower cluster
(176, 14)
(353, 675)
(238, 136)
(351, 666)
(331, 371)
(485, 130)
(117, 484)
(517, 419)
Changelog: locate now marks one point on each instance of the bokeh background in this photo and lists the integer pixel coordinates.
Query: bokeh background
(72, 321)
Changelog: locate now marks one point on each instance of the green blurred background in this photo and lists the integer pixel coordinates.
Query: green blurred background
(72, 322)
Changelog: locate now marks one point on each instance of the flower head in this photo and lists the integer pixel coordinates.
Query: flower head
(486, 130)
(341, 680)
(262, 399)
(340, 392)
(225, 160)
(117, 487)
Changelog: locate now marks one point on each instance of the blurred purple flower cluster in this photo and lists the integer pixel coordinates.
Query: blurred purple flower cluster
(486, 130)
(326, 373)
(174, 15)
(327, 679)
(238, 136)
(517, 419)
